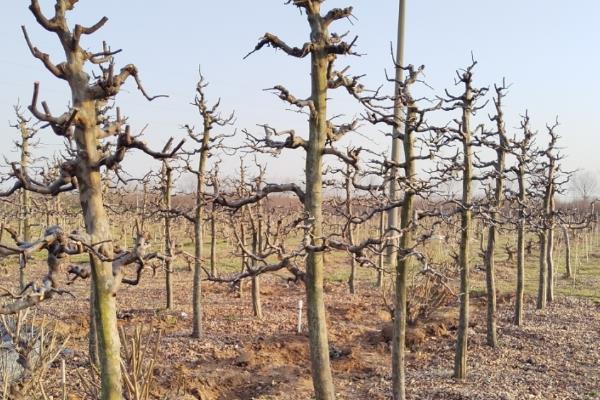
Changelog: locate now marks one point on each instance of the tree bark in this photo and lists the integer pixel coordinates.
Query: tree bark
(97, 226)
(93, 334)
(198, 235)
(242, 255)
(256, 249)
(550, 264)
(460, 360)
(568, 269)
(25, 200)
(502, 145)
(520, 245)
(381, 257)
(542, 282)
(213, 244)
(349, 229)
(168, 185)
(318, 126)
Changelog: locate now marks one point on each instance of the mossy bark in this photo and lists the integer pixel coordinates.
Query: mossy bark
(318, 126)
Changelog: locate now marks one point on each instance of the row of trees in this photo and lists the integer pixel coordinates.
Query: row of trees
(499, 172)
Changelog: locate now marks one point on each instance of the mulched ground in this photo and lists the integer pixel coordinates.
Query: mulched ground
(556, 355)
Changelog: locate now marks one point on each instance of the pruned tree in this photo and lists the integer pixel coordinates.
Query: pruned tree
(207, 142)
(498, 141)
(523, 150)
(27, 131)
(549, 181)
(409, 127)
(167, 192)
(464, 133)
(90, 152)
(323, 48)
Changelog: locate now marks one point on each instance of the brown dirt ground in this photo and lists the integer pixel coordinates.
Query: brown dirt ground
(556, 355)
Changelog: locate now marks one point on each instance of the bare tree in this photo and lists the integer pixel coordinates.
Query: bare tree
(167, 188)
(584, 185)
(549, 182)
(413, 123)
(500, 146)
(466, 102)
(323, 49)
(525, 154)
(207, 141)
(27, 131)
(82, 125)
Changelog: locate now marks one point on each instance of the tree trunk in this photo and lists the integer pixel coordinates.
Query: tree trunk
(568, 270)
(25, 200)
(93, 334)
(520, 244)
(105, 308)
(213, 244)
(380, 257)
(460, 360)
(550, 264)
(167, 181)
(542, 282)
(491, 337)
(89, 180)
(256, 249)
(349, 229)
(520, 273)
(490, 281)
(198, 238)
(243, 255)
(318, 126)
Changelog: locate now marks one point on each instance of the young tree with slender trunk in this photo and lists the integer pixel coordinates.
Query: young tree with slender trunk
(413, 123)
(466, 102)
(500, 146)
(167, 188)
(256, 216)
(323, 49)
(522, 149)
(547, 182)
(27, 132)
(211, 117)
(348, 230)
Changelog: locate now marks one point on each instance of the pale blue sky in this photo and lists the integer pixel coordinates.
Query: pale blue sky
(548, 50)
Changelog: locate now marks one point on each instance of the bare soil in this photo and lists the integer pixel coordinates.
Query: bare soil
(556, 355)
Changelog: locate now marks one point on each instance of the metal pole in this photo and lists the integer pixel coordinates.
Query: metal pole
(393, 215)
(398, 358)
